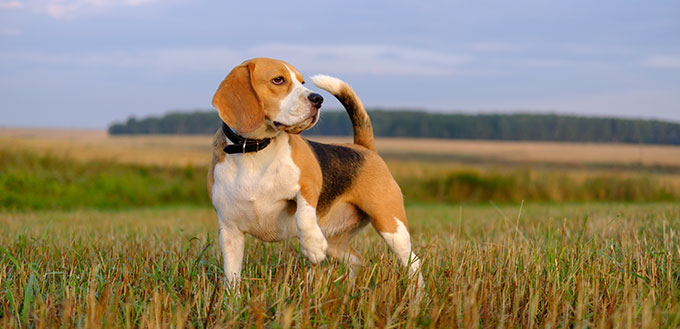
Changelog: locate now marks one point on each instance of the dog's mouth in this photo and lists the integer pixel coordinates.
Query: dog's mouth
(300, 126)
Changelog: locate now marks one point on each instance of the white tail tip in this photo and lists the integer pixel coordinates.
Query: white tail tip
(326, 82)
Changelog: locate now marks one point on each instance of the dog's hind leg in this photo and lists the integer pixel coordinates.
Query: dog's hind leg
(385, 209)
(395, 233)
(398, 239)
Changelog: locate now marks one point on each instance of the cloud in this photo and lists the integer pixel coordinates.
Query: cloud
(69, 9)
(366, 59)
(375, 60)
(662, 62)
(11, 4)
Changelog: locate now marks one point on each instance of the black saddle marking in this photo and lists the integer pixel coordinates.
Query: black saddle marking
(339, 168)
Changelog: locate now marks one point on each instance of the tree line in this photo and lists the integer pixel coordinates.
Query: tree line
(519, 126)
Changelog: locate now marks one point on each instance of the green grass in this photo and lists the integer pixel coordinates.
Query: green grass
(30, 182)
(543, 266)
(474, 185)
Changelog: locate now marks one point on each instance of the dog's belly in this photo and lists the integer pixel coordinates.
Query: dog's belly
(341, 219)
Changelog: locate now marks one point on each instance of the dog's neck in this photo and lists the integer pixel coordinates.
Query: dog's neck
(240, 144)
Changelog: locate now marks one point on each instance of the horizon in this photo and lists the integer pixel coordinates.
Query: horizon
(416, 110)
(85, 64)
(424, 111)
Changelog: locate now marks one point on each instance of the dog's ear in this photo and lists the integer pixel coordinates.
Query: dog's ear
(237, 101)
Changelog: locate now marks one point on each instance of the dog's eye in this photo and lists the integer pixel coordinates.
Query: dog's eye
(279, 80)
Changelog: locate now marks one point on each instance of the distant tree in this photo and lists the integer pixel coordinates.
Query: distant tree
(519, 126)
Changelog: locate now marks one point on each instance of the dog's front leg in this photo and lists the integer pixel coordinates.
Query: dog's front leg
(312, 242)
(232, 242)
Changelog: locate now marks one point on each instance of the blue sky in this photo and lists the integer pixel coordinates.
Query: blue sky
(86, 63)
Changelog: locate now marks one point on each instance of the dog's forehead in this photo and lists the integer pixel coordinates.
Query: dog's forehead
(274, 67)
(295, 73)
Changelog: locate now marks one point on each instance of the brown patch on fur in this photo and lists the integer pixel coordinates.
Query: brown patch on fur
(236, 100)
(310, 172)
(377, 194)
(247, 95)
(218, 144)
(271, 95)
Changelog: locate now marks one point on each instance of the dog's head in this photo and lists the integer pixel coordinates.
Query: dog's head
(264, 96)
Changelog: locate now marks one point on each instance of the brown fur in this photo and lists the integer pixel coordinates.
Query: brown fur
(378, 195)
(236, 100)
(246, 98)
(310, 172)
(270, 94)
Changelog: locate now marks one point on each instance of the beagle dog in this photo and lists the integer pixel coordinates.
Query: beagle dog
(267, 181)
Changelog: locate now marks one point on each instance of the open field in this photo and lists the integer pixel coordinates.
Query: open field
(110, 232)
(535, 266)
(29, 181)
(195, 149)
(408, 159)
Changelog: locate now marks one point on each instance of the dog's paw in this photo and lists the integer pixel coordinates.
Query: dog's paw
(231, 284)
(314, 246)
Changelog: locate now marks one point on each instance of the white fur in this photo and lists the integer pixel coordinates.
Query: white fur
(328, 83)
(232, 242)
(400, 243)
(295, 107)
(251, 193)
(312, 242)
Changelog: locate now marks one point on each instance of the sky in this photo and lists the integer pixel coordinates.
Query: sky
(87, 63)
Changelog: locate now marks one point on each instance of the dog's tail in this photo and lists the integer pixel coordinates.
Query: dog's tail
(361, 123)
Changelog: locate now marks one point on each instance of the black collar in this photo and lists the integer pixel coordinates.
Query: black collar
(242, 144)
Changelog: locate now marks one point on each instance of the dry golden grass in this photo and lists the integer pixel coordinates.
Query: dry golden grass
(165, 150)
(539, 152)
(195, 150)
(535, 266)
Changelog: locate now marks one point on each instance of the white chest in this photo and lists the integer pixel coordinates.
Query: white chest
(252, 191)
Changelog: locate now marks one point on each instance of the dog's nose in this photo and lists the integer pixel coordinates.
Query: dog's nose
(316, 99)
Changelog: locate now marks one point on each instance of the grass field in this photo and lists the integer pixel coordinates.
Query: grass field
(530, 266)
(102, 232)
(67, 169)
(192, 149)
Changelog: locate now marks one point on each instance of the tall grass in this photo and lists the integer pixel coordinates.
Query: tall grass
(473, 185)
(30, 181)
(576, 266)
